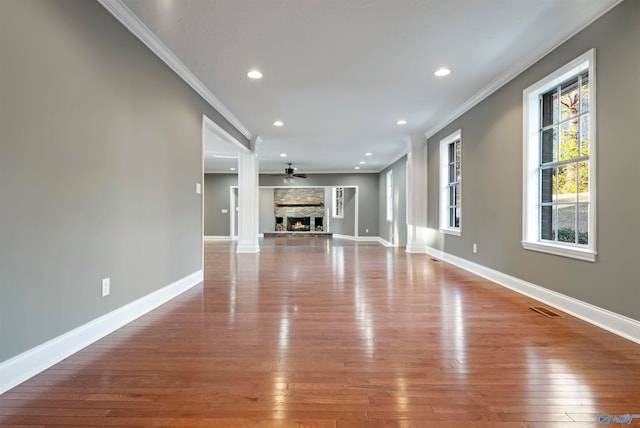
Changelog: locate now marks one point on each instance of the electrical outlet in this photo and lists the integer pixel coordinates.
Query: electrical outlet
(366, 230)
(475, 248)
(198, 188)
(106, 287)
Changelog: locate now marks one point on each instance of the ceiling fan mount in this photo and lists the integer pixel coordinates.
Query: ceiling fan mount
(290, 172)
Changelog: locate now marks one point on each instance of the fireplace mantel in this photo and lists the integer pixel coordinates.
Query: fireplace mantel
(299, 204)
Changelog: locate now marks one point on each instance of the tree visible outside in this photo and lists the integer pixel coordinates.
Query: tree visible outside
(565, 162)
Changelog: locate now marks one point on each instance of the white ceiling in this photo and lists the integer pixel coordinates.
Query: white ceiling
(339, 73)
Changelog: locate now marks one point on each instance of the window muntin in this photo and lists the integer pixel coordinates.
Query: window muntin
(559, 162)
(564, 162)
(451, 184)
(338, 202)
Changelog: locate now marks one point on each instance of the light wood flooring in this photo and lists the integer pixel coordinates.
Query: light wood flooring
(331, 333)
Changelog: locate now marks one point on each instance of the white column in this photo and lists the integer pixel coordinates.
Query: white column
(248, 203)
(417, 194)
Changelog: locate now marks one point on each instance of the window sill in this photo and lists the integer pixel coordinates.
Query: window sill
(454, 232)
(560, 250)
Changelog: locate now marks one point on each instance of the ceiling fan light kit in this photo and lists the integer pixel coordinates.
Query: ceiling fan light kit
(290, 175)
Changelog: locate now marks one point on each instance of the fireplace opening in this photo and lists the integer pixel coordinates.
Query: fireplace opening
(298, 224)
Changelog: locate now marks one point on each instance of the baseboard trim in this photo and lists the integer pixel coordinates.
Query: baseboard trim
(603, 318)
(24, 366)
(417, 248)
(217, 238)
(363, 239)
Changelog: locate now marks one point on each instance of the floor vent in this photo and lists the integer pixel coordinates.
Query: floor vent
(546, 312)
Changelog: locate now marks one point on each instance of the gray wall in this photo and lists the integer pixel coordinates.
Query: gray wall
(346, 224)
(397, 228)
(267, 220)
(368, 194)
(216, 198)
(99, 156)
(492, 174)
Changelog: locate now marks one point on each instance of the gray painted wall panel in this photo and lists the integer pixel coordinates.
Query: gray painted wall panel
(267, 220)
(492, 173)
(217, 198)
(99, 156)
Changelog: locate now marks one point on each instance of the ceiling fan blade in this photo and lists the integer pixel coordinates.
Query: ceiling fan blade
(300, 175)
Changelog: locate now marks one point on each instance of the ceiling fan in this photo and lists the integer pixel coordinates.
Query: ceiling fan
(290, 175)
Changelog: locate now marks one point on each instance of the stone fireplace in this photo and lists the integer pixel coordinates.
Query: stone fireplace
(299, 209)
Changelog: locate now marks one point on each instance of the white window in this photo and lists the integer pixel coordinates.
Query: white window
(390, 195)
(338, 202)
(559, 162)
(451, 184)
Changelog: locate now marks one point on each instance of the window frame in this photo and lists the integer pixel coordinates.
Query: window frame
(337, 194)
(389, 198)
(531, 201)
(446, 185)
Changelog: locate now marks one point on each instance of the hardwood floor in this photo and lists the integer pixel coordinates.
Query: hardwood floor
(330, 333)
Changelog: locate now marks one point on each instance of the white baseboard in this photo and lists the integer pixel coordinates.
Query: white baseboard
(217, 238)
(363, 239)
(417, 247)
(347, 237)
(603, 318)
(18, 369)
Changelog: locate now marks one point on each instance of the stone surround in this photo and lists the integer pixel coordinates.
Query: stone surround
(299, 202)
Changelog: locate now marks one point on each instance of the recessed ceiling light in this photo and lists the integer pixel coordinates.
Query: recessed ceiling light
(362, 162)
(357, 167)
(368, 154)
(441, 72)
(232, 169)
(401, 122)
(254, 74)
(278, 123)
(283, 155)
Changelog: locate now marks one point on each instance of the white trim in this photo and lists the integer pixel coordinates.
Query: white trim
(356, 224)
(531, 162)
(248, 199)
(416, 248)
(444, 184)
(454, 232)
(218, 238)
(202, 190)
(233, 212)
(603, 318)
(146, 36)
(514, 71)
(394, 159)
(363, 239)
(222, 133)
(561, 250)
(18, 369)
(389, 186)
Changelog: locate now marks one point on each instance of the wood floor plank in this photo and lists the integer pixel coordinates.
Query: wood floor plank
(324, 333)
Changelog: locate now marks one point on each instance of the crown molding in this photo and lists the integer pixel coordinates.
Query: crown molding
(515, 71)
(132, 23)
